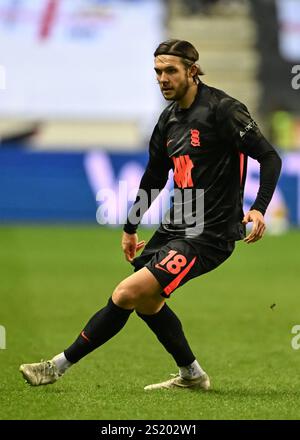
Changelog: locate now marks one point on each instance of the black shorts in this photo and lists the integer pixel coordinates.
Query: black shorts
(174, 260)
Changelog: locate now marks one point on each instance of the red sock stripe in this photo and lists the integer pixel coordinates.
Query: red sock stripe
(172, 286)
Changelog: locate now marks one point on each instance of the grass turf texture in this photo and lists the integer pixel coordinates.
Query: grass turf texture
(54, 278)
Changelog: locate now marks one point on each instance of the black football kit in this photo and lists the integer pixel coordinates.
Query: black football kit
(206, 146)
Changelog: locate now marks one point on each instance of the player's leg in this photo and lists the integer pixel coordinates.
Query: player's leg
(111, 319)
(140, 291)
(164, 323)
(105, 324)
(169, 331)
(175, 264)
(140, 288)
(107, 321)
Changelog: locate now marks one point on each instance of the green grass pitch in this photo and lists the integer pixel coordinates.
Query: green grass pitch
(54, 278)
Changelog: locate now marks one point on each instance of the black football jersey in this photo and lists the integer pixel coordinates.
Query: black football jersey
(207, 146)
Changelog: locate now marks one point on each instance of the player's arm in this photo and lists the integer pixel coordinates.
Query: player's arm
(154, 178)
(270, 166)
(247, 138)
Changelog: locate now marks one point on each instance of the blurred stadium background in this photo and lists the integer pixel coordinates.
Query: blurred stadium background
(78, 102)
(80, 99)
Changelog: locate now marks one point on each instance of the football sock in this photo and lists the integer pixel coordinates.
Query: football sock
(169, 332)
(191, 371)
(61, 362)
(101, 327)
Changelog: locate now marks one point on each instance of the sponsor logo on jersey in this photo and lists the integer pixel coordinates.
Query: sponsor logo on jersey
(183, 171)
(248, 127)
(195, 138)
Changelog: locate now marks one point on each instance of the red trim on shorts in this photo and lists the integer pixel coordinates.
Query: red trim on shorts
(172, 286)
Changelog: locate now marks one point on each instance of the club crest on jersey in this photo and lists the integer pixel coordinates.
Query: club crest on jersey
(195, 138)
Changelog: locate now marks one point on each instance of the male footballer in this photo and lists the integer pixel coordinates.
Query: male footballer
(204, 136)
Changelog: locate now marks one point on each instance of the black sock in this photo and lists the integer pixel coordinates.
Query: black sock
(169, 332)
(101, 327)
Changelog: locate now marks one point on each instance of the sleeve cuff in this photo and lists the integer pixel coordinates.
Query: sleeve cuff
(257, 208)
(130, 229)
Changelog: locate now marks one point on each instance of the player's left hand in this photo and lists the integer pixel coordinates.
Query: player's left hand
(258, 227)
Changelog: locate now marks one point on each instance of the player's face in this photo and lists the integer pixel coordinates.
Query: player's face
(172, 76)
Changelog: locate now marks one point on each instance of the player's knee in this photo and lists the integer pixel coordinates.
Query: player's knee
(126, 296)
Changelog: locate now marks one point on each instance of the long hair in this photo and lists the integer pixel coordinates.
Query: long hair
(183, 49)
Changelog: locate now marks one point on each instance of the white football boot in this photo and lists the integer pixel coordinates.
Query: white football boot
(201, 382)
(41, 373)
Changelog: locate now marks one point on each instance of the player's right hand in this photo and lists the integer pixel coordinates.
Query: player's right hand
(130, 245)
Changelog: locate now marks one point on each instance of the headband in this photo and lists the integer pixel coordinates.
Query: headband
(177, 53)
